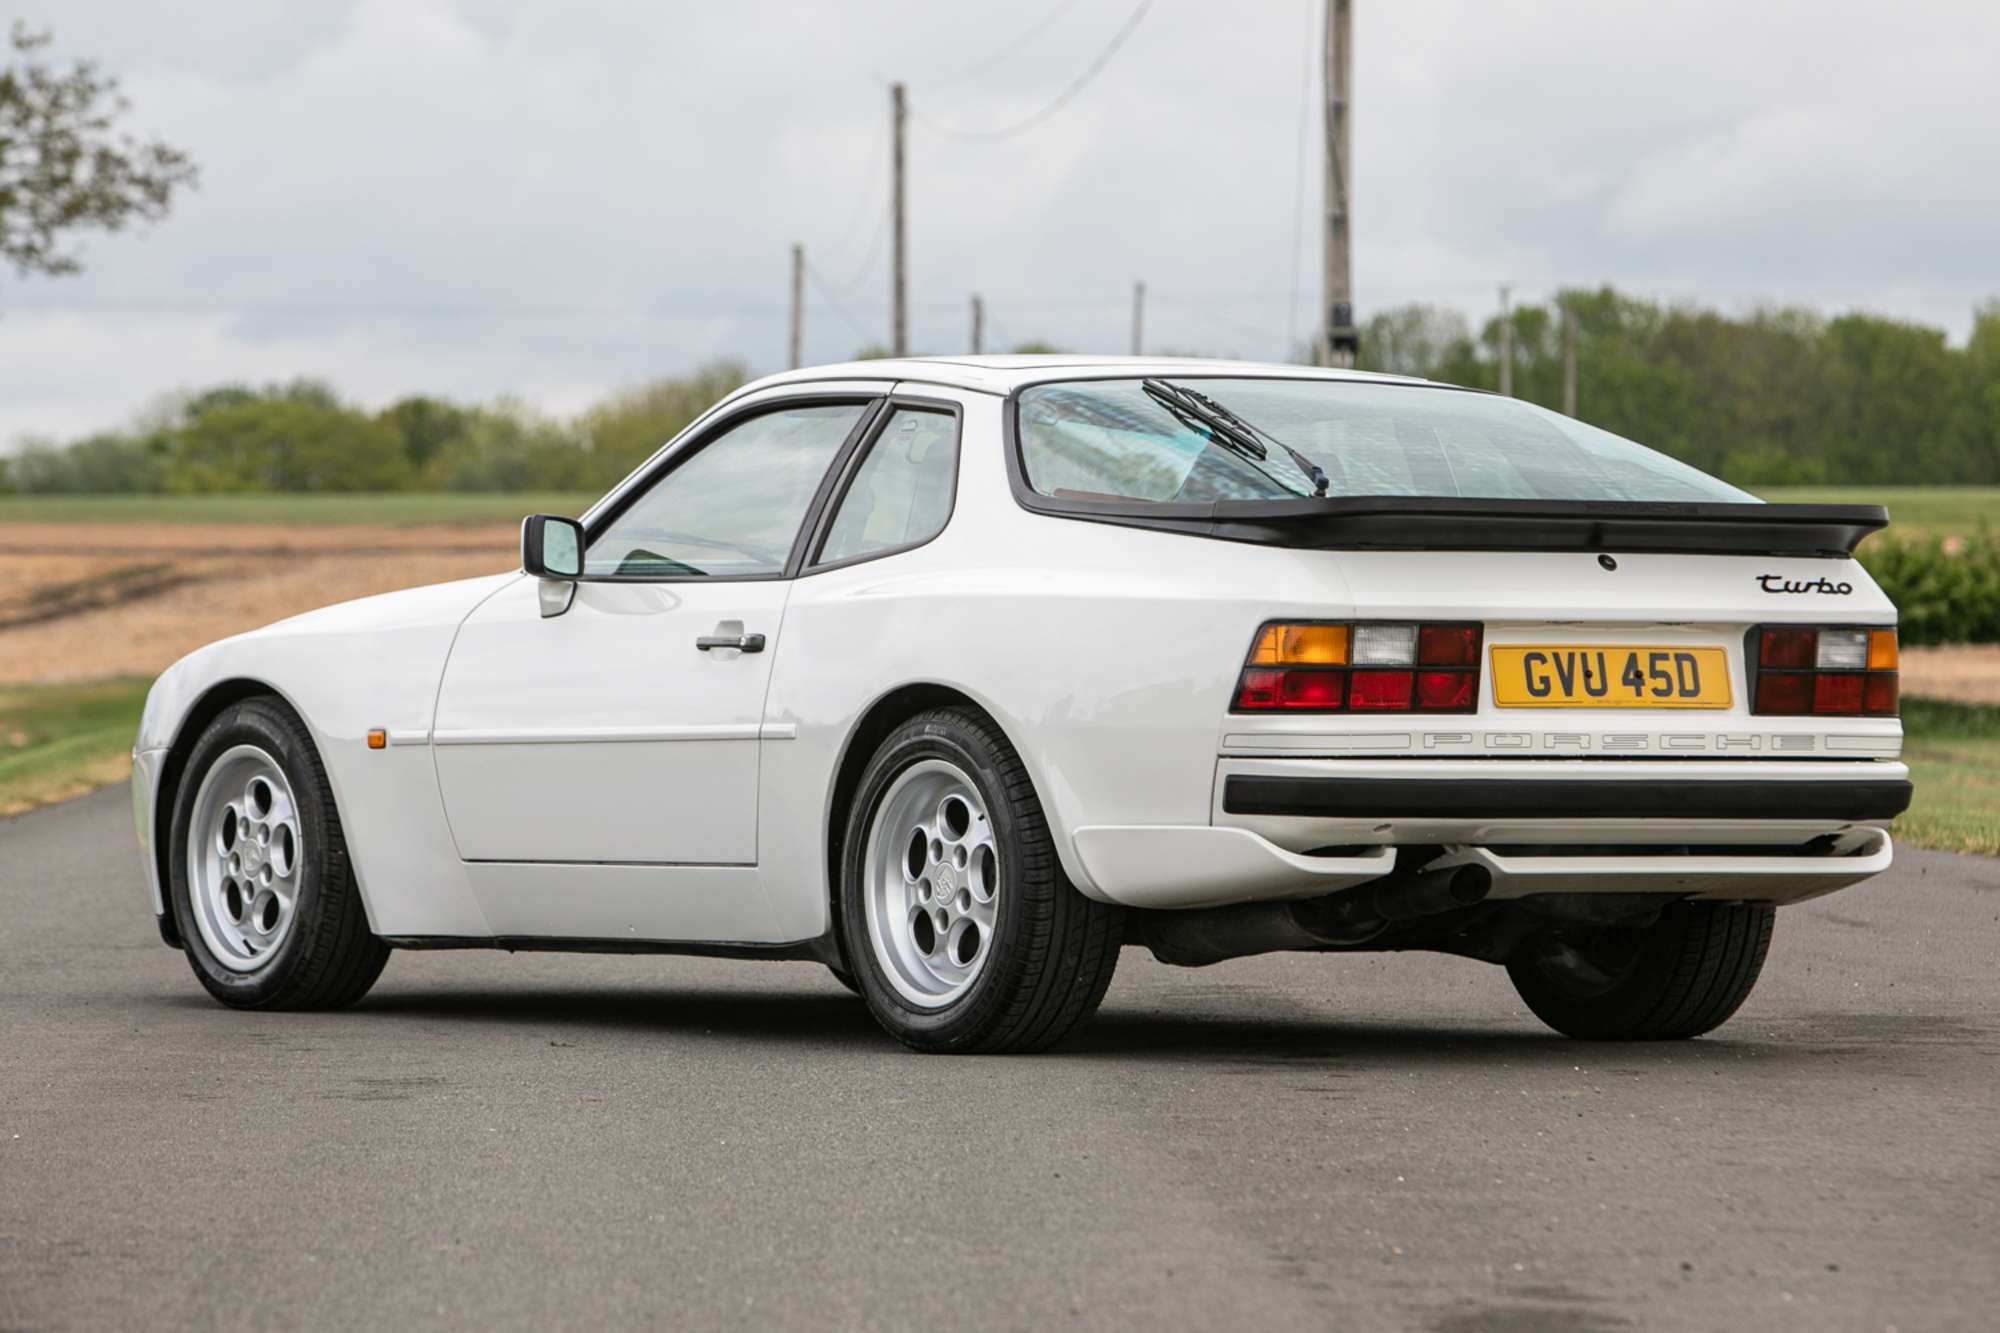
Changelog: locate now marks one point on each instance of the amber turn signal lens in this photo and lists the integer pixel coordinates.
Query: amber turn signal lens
(1301, 645)
(377, 739)
(1882, 650)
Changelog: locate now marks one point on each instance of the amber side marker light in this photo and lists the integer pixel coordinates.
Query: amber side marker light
(1829, 671)
(377, 739)
(1316, 667)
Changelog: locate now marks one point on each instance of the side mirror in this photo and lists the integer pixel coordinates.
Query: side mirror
(552, 547)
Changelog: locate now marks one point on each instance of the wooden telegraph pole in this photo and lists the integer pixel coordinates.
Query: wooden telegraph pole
(1338, 339)
(978, 323)
(1506, 344)
(798, 302)
(1138, 318)
(1569, 359)
(898, 290)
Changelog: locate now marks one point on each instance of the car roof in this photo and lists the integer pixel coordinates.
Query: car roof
(1004, 374)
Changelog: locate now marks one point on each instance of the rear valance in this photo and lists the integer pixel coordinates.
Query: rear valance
(1426, 523)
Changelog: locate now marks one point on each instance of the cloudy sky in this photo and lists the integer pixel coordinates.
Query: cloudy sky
(552, 198)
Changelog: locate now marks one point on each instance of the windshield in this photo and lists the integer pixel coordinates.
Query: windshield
(1110, 440)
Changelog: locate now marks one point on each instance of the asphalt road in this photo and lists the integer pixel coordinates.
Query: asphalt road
(494, 1141)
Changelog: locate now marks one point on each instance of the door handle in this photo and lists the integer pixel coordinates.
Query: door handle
(749, 643)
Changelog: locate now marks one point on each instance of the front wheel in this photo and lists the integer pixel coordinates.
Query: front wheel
(963, 932)
(259, 880)
(1680, 977)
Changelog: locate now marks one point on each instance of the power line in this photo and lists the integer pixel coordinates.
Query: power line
(1010, 48)
(860, 330)
(1062, 99)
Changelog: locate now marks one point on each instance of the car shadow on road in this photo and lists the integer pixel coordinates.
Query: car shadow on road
(834, 1019)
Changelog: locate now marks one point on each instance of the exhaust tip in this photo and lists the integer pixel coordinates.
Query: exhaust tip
(1470, 884)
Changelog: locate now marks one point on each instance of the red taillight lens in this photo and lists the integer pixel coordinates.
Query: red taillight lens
(1445, 691)
(1317, 690)
(1831, 671)
(1788, 649)
(1382, 691)
(1784, 692)
(1878, 696)
(1259, 689)
(1306, 667)
(1448, 646)
(1837, 694)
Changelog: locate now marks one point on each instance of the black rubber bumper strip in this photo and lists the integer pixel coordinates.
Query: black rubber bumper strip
(1563, 798)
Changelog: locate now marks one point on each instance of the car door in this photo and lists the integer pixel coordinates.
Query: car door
(624, 728)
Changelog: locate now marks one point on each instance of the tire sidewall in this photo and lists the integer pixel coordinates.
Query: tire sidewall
(965, 1019)
(259, 723)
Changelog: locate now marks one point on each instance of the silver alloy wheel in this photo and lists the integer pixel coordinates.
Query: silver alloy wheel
(931, 883)
(245, 848)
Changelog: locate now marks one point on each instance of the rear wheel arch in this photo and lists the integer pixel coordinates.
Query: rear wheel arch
(881, 718)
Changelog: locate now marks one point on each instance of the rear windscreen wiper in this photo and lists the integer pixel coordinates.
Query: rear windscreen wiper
(1227, 429)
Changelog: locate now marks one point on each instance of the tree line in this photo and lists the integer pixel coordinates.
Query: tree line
(1778, 397)
(302, 437)
(1782, 396)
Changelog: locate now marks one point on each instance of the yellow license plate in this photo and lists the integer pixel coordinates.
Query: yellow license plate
(1621, 676)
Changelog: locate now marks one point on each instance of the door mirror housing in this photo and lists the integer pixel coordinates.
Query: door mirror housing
(552, 547)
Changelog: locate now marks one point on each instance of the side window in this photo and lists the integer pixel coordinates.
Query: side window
(734, 508)
(901, 494)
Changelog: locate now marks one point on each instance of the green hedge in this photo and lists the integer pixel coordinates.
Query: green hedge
(1946, 590)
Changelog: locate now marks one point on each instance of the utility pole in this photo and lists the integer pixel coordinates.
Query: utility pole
(898, 292)
(1506, 344)
(798, 302)
(978, 323)
(1569, 359)
(1338, 340)
(1138, 318)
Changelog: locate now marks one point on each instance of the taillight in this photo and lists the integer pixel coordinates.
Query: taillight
(1829, 671)
(1314, 667)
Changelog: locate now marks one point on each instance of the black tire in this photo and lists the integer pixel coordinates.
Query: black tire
(1053, 950)
(1681, 977)
(328, 959)
(845, 978)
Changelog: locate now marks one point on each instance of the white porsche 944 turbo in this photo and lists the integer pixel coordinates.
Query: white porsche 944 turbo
(959, 675)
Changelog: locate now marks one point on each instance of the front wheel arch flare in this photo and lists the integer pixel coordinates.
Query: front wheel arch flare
(193, 723)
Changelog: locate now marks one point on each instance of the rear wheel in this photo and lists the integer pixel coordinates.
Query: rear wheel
(259, 880)
(1680, 977)
(963, 932)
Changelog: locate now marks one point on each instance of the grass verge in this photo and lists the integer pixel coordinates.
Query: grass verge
(398, 509)
(1914, 511)
(1953, 751)
(58, 741)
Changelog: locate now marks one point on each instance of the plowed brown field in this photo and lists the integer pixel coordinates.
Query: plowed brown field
(80, 601)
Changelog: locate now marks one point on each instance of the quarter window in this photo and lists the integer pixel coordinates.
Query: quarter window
(901, 494)
(733, 509)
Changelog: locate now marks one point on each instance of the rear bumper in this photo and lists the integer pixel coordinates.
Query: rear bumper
(1496, 798)
(1734, 830)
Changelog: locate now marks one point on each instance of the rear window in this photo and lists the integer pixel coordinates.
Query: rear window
(1109, 440)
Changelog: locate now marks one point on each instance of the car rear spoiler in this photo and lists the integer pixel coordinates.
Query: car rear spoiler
(1427, 523)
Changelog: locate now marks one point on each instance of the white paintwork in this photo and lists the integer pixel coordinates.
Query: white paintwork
(1190, 866)
(560, 744)
(1773, 879)
(604, 734)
